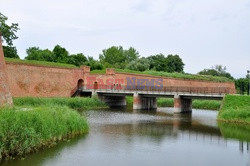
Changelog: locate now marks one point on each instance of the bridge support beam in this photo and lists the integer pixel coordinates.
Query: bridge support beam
(144, 103)
(114, 101)
(182, 105)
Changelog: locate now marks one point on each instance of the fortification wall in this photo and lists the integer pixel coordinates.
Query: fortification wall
(40, 81)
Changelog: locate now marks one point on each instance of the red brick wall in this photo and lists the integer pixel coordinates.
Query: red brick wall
(5, 95)
(39, 81)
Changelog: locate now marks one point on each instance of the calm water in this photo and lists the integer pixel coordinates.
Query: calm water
(122, 138)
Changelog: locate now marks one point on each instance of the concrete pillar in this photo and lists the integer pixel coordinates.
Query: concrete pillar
(144, 103)
(182, 105)
(137, 102)
(114, 101)
(5, 95)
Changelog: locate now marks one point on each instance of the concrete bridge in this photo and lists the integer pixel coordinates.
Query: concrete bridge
(146, 98)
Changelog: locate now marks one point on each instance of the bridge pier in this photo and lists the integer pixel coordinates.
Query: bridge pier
(114, 101)
(144, 103)
(182, 105)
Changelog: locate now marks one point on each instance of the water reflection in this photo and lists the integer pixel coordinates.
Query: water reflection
(126, 137)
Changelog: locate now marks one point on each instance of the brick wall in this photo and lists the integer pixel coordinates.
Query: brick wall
(39, 81)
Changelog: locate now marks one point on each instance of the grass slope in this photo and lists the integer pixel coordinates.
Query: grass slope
(235, 109)
(170, 75)
(40, 63)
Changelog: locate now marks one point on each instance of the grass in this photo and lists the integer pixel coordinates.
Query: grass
(35, 123)
(198, 104)
(40, 63)
(235, 109)
(26, 129)
(149, 72)
(73, 103)
(170, 75)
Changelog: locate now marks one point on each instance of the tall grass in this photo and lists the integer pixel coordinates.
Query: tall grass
(198, 104)
(235, 109)
(36, 123)
(74, 103)
(25, 130)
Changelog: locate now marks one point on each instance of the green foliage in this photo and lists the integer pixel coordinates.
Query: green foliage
(8, 31)
(241, 83)
(140, 64)
(40, 122)
(169, 102)
(117, 57)
(35, 53)
(236, 109)
(61, 54)
(40, 63)
(26, 129)
(94, 64)
(171, 63)
(174, 64)
(178, 75)
(10, 52)
(77, 59)
(157, 62)
(74, 103)
(217, 70)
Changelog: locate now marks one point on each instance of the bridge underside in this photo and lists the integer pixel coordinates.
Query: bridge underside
(148, 101)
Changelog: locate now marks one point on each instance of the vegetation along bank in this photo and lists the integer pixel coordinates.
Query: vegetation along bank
(198, 104)
(235, 109)
(36, 123)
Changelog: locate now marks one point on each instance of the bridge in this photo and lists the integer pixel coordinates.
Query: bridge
(146, 97)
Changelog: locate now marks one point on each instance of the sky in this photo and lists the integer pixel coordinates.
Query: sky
(203, 33)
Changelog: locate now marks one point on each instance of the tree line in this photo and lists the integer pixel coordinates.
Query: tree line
(112, 57)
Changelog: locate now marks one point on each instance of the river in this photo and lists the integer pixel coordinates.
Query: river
(125, 137)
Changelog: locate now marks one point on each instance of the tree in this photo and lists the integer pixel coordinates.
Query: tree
(10, 52)
(141, 64)
(77, 59)
(35, 53)
(157, 62)
(94, 64)
(174, 64)
(61, 54)
(117, 57)
(8, 33)
(131, 54)
(217, 70)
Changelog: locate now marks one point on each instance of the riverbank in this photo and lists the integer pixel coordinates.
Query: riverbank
(235, 109)
(197, 104)
(37, 123)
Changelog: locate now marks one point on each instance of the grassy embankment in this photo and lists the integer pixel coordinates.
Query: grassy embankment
(198, 104)
(40, 63)
(235, 109)
(170, 75)
(35, 123)
(148, 72)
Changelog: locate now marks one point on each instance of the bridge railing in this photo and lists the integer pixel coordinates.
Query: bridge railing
(162, 89)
